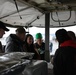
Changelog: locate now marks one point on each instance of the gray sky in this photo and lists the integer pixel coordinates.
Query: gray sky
(35, 30)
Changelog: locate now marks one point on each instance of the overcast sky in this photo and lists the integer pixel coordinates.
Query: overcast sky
(35, 30)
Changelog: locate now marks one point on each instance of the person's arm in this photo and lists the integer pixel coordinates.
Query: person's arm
(37, 53)
(1, 48)
(10, 47)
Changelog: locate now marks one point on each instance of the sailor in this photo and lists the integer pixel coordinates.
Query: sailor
(2, 32)
(15, 42)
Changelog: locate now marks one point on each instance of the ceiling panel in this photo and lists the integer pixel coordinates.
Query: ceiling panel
(33, 13)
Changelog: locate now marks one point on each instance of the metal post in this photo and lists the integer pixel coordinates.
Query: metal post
(47, 28)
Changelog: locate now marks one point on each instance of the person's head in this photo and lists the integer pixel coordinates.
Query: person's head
(2, 29)
(62, 35)
(20, 32)
(72, 35)
(29, 39)
(39, 38)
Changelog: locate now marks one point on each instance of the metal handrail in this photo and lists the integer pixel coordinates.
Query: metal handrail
(60, 20)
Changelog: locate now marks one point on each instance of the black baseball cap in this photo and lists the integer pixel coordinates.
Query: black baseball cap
(21, 30)
(2, 26)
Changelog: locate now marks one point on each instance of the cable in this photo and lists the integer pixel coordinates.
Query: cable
(17, 9)
(58, 18)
